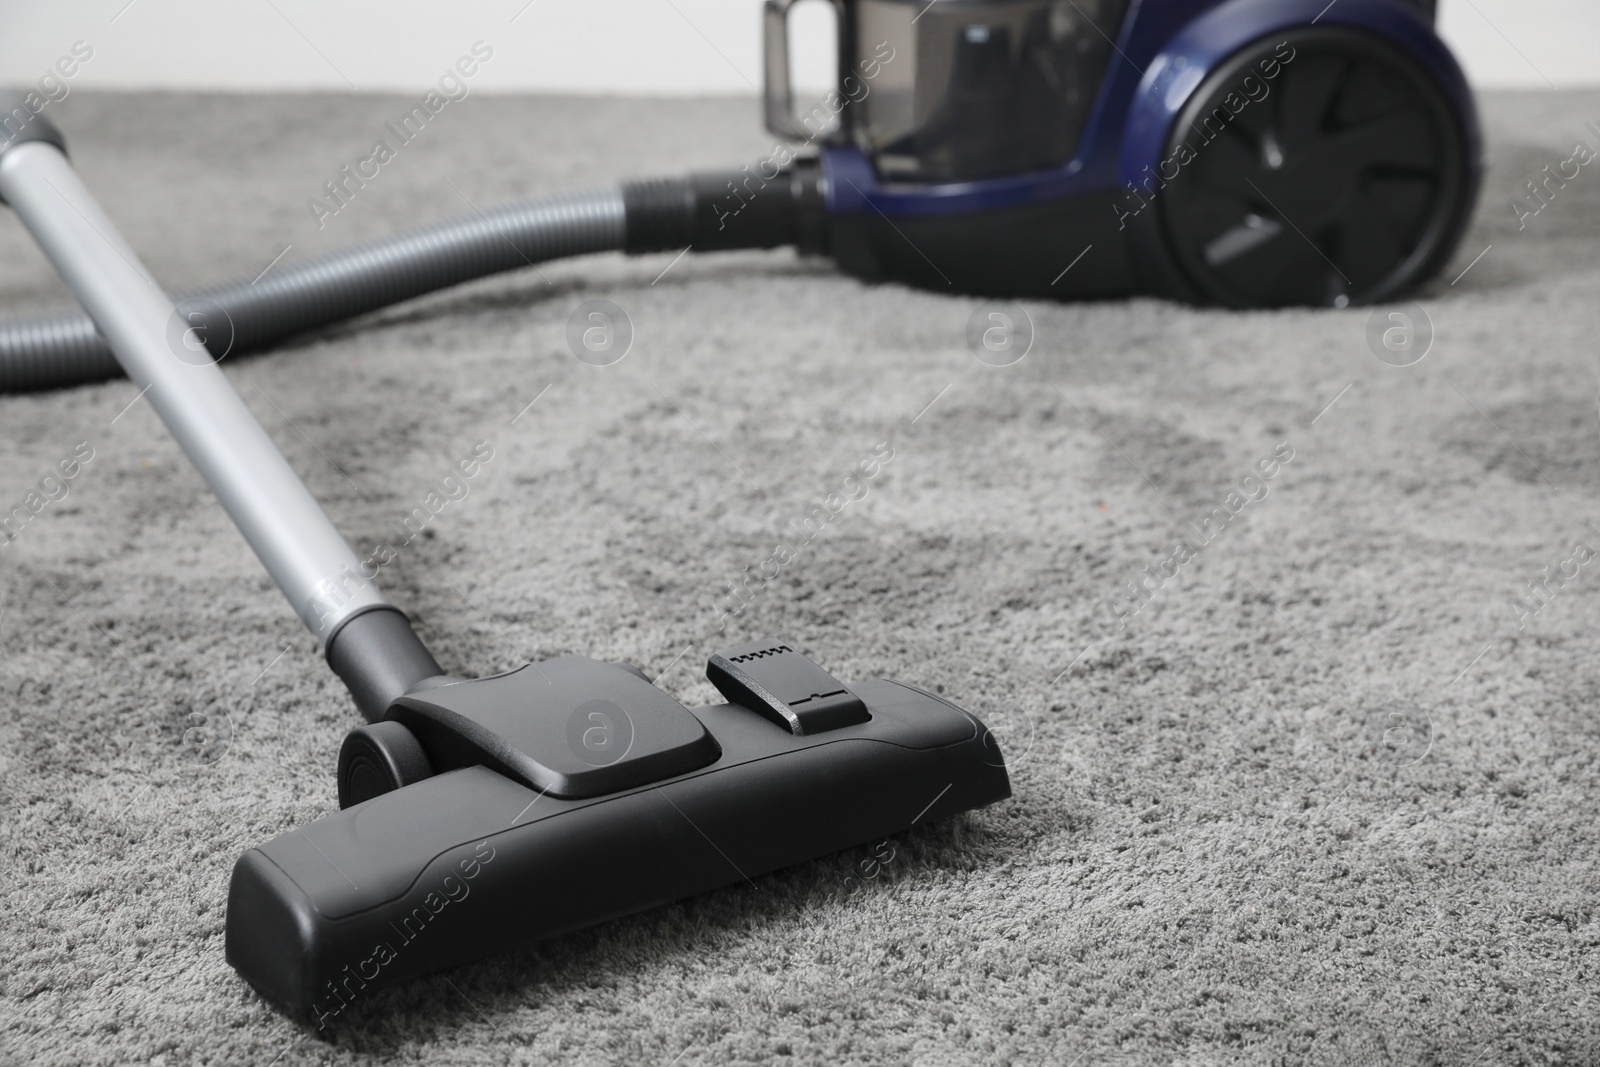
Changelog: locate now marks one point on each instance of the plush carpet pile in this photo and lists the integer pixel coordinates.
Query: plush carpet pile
(1331, 794)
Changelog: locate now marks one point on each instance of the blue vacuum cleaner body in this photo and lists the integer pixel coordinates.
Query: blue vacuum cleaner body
(1243, 152)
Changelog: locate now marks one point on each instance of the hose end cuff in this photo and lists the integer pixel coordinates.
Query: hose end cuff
(660, 214)
(725, 210)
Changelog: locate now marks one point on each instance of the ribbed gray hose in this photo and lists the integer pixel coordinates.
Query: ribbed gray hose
(64, 349)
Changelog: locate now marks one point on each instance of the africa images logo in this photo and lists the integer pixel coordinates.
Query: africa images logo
(453, 888)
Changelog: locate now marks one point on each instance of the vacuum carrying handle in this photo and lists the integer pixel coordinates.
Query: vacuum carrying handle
(777, 95)
(294, 539)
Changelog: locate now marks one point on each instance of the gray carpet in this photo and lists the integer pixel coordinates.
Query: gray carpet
(1324, 798)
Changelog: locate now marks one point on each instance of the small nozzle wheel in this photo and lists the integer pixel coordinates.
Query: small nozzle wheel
(378, 758)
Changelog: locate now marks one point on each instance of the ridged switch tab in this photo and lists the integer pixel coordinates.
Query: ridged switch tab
(770, 677)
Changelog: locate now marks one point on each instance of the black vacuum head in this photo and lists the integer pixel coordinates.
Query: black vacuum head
(572, 791)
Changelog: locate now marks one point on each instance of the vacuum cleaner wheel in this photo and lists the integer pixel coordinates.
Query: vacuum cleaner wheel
(1342, 180)
(379, 758)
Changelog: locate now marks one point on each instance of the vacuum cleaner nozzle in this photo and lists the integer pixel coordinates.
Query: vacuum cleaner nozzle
(478, 814)
(570, 792)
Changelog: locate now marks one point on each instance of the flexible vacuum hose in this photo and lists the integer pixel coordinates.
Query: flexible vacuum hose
(704, 212)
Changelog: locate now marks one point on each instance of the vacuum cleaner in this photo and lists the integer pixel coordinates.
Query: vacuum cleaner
(480, 813)
(1246, 153)
(1241, 153)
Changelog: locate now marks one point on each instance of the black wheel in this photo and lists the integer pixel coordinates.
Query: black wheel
(378, 758)
(1346, 182)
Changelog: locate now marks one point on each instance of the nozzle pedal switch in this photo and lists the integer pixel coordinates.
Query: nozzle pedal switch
(571, 726)
(769, 677)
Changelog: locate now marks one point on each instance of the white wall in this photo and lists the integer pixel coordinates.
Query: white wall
(589, 46)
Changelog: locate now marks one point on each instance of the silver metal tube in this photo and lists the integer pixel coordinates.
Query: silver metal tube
(294, 539)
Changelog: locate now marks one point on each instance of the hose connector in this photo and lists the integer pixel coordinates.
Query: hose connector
(724, 210)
